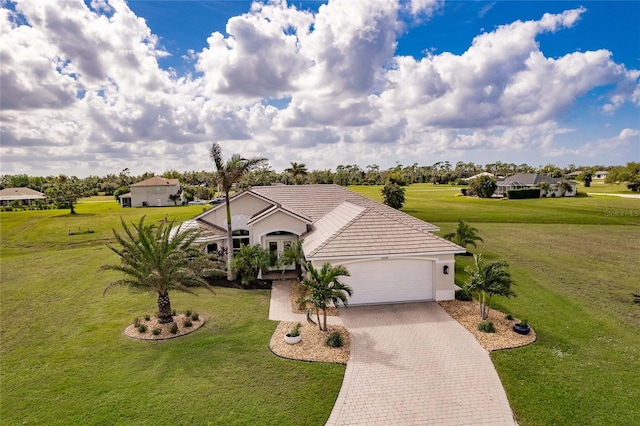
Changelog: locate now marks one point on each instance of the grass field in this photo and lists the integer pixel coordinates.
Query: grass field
(574, 262)
(64, 358)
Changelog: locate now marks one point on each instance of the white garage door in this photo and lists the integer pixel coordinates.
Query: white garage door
(390, 280)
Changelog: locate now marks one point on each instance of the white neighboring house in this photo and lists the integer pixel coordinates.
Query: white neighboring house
(600, 174)
(533, 180)
(391, 256)
(26, 196)
(152, 192)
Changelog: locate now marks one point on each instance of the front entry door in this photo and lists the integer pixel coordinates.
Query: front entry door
(276, 247)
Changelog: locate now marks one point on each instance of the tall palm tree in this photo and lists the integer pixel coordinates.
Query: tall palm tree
(325, 290)
(465, 234)
(565, 187)
(154, 258)
(226, 175)
(297, 169)
(490, 279)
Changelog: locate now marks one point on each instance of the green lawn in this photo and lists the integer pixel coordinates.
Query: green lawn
(574, 265)
(65, 360)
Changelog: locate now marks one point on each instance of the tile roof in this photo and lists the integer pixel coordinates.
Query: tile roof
(528, 179)
(157, 181)
(20, 194)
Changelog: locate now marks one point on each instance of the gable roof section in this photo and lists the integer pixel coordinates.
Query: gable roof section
(354, 231)
(22, 193)
(315, 201)
(528, 179)
(263, 214)
(157, 181)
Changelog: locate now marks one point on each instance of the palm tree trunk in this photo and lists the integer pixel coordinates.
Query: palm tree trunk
(230, 274)
(164, 308)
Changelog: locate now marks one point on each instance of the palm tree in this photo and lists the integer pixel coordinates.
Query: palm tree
(227, 174)
(489, 278)
(565, 187)
(297, 169)
(154, 258)
(293, 254)
(545, 187)
(464, 235)
(325, 290)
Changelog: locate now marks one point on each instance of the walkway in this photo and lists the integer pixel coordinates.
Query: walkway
(411, 364)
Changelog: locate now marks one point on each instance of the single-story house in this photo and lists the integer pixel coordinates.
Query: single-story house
(480, 174)
(155, 191)
(26, 196)
(391, 256)
(600, 174)
(533, 180)
(573, 175)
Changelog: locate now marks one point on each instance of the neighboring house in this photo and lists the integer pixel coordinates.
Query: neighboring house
(154, 192)
(532, 180)
(26, 196)
(391, 256)
(600, 174)
(573, 175)
(480, 174)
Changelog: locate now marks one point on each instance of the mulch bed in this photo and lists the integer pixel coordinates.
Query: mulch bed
(165, 333)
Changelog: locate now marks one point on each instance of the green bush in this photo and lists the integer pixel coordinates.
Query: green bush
(147, 317)
(195, 316)
(486, 327)
(187, 322)
(136, 322)
(335, 340)
(188, 312)
(463, 191)
(142, 328)
(519, 194)
(156, 331)
(174, 328)
(248, 262)
(464, 295)
(509, 317)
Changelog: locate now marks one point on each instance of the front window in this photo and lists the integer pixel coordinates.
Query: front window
(240, 238)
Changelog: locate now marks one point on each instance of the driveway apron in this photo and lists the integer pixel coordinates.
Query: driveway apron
(412, 364)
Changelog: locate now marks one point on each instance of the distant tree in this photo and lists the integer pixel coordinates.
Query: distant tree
(66, 191)
(587, 177)
(154, 258)
(248, 262)
(482, 186)
(464, 235)
(393, 195)
(120, 191)
(296, 169)
(565, 187)
(175, 198)
(489, 279)
(228, 174)
(325, 290)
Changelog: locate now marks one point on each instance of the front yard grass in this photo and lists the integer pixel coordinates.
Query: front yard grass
(574, 269)
(65, 359)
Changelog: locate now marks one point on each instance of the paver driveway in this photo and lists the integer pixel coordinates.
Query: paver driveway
(412, 364)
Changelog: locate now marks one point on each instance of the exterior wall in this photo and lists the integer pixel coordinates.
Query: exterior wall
(276, 222)
(247, 205)
(152, 196)
(445, 283)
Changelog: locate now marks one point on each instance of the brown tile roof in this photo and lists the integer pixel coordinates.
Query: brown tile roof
(157, 181)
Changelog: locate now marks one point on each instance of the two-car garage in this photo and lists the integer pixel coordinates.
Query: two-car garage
(389, 280)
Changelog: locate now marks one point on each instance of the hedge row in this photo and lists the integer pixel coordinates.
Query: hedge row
(518, 194)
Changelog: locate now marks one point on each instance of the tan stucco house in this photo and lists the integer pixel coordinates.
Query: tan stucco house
(154, 191)
(26, 196)
(391, 256)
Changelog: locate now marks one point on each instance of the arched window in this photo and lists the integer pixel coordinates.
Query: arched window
(240, 238)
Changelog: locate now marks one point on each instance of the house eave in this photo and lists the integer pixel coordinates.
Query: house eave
(386, 256)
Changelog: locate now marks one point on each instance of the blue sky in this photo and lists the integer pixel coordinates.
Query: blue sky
(92, 87)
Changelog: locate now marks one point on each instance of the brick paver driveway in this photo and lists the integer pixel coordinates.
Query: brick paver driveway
(412, 364)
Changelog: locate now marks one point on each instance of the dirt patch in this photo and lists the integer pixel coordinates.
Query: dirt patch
(165, 329)
(468, 314)
(313, 346)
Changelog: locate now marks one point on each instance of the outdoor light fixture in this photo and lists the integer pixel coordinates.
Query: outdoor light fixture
(445, 269)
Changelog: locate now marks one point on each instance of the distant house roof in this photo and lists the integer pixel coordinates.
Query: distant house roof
(480, 174)
(10, 194)
(157, 181)
(601, 172)
(575, 174)
(527, 179)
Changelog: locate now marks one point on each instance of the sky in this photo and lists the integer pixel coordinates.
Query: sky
(93, 87)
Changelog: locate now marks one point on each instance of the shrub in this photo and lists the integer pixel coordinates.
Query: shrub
(147, 317)
(524, 323)
(248, 262)
(187, 322)
(142, 328)
(136, 322)
(335, 340)
(156, 331)
(483, 186)
(174, 328)
(173, 312)
(553, 195)
(393, 195)
(464, 295)
(295, 331)
(486, 327)
(463, 191)
(188, 312)
(519, 194)
(509, 317)
(195, 316)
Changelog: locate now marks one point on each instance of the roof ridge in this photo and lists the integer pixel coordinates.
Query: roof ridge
(342, 228)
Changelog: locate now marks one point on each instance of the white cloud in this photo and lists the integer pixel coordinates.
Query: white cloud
(82, 89)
